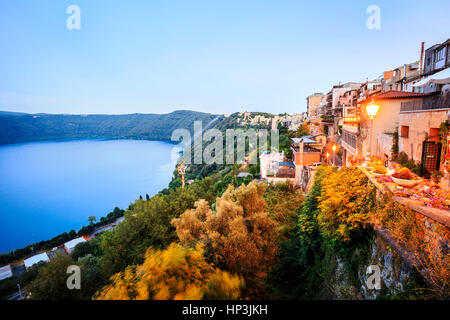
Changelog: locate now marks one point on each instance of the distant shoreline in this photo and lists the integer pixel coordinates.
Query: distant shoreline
(131, 200)
(83, 139)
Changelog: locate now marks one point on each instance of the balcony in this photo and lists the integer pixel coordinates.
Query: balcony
(433, 102)
(352, 120)
(327, 119)
(352, 128)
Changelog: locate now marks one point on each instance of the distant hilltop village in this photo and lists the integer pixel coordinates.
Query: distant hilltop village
(292, 122)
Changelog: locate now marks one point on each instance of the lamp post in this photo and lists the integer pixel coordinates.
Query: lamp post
(328, 157)
(372, 110)
(20, 292)
(334, 154)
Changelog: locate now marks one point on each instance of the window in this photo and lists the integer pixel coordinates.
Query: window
(440, 54)
(404, 131)
(434, 135)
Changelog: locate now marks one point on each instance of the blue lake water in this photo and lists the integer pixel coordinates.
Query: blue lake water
(47, 188)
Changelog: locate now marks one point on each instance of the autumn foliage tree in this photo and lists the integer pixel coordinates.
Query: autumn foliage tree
(147, 224)
(345, 203)
(284, 202)
(239, 235)
(177, 273)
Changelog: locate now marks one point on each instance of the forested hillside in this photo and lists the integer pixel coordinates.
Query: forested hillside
(22, 127)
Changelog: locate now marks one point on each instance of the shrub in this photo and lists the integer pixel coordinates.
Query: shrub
(176, 273)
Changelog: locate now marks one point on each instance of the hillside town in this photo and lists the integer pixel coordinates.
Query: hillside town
(399, 118)
(411, 107)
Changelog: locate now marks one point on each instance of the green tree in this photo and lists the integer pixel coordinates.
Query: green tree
(147, 224)
(92, 219)
(51, 282)
(89, 247)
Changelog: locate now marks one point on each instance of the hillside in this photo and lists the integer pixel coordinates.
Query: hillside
(22, 127)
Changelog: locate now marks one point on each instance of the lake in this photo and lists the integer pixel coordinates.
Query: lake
(47, 188)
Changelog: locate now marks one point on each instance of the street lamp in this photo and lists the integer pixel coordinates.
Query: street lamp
(328, 156)
(372, 110)
(334, 154)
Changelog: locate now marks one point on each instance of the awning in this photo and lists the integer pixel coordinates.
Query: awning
(442, 77)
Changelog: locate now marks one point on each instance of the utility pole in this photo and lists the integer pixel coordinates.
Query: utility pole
(182, 171)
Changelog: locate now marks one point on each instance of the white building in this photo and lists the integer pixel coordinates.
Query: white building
(35, 259)
(269, 163)
(6, 272)
(70, 245)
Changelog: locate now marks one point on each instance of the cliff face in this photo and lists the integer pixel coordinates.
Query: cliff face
(355, 279)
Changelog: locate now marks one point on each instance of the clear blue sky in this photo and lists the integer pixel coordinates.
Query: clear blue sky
(214, 56)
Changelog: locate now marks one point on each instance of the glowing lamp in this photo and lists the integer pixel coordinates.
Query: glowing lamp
(334, 148)
(372, 110)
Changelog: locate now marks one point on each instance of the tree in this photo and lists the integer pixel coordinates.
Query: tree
(84, 248)
(345, 203)
(240, 237)
(283, 202)
(147, 224)
(254, 169)
(51, 282)
(303, 130)
(298, 273)
(172, 274)
(91, 276)
(92, 219)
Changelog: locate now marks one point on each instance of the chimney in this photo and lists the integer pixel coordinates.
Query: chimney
(421, 58)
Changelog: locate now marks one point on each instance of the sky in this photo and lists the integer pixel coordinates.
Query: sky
(150, 56)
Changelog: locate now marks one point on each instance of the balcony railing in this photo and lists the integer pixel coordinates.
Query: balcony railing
(427, 103)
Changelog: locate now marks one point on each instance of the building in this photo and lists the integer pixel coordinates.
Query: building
(305, 152)
(433, 83)
(274, 168)
(313, 103)
(269, 163)
(332, 119)
(42, 257)
(70, 245)
(401, 77)
(356, 130)
(437, 58)
(419, 129)
(6, 272)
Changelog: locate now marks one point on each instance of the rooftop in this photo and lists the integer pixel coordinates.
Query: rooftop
(395, 95)
(244, 174)
(35, 259)
(5, 272)
(72, 243)
(305, 139)
(286, 164)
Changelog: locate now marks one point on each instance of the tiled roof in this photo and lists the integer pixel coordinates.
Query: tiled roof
(395, 95)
